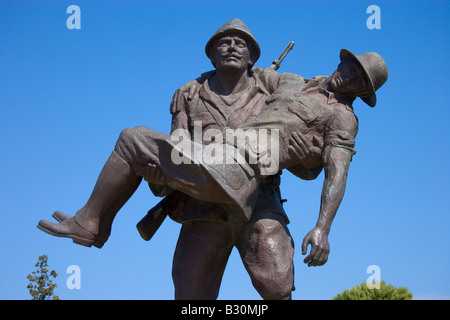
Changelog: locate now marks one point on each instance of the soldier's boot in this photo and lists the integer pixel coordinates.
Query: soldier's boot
(91, 225)
(106, 220)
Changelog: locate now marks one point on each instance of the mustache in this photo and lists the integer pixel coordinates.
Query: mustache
(232, 55)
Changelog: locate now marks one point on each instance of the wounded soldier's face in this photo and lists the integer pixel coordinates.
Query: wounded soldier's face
(349, 78)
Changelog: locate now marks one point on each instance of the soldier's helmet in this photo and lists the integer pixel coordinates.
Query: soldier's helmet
(375, 68)
(235, 26)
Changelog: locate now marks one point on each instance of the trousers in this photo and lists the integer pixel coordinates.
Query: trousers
(265, 247)
(204, 246)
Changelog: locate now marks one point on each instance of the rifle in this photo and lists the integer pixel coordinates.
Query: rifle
(153, 219)
(277, 62)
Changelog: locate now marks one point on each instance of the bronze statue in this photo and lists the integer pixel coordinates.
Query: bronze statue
(222, 205)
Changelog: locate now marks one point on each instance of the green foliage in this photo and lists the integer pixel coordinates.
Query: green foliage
(41, 286)
(385, 292)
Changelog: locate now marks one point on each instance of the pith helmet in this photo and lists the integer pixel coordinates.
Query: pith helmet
(235, 26)
(375, 69)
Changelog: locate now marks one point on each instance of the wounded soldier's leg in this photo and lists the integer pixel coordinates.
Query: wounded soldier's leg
(122, 174)
(187, 167)
(115, 185)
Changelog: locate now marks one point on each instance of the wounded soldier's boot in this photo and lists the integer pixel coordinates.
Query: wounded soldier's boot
(104, 227)
(68, 228)
(115, 185)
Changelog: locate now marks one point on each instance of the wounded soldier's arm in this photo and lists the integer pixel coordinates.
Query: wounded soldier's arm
(336, 157)
(336, 164)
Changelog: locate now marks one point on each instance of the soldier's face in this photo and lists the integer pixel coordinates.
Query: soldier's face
(231, 52)
(349, 78)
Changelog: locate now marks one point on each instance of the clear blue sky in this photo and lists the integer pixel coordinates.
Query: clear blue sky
(65, 95)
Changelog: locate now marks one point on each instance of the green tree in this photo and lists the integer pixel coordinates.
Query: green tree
(41, 286)
(385, 292)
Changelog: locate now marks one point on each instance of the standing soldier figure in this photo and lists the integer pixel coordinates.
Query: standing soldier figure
(220, 99)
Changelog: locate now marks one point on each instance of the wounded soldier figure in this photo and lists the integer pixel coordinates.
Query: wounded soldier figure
(315, 114)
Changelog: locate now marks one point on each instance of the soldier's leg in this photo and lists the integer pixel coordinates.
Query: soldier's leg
(267, 250)
(200, 258)
(107, 218)
(118, 180)
(122, 173)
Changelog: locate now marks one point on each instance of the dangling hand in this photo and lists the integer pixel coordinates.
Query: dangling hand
(320, 248)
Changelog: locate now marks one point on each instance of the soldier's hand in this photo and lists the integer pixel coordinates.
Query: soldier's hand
(309, 153)
(154, 175)
(320, 248)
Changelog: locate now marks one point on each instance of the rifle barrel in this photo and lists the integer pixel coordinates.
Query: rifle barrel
(286, 51)
(276, 63)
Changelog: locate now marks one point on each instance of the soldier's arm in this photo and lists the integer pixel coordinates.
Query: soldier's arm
(336, 160)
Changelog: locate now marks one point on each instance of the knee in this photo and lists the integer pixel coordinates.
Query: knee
(129, 138)
(269, 258)
(276, 281)
(125, 144)
(126, 136)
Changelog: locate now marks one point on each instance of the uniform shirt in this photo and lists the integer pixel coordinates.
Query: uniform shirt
(195, 103)
(320, 115)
